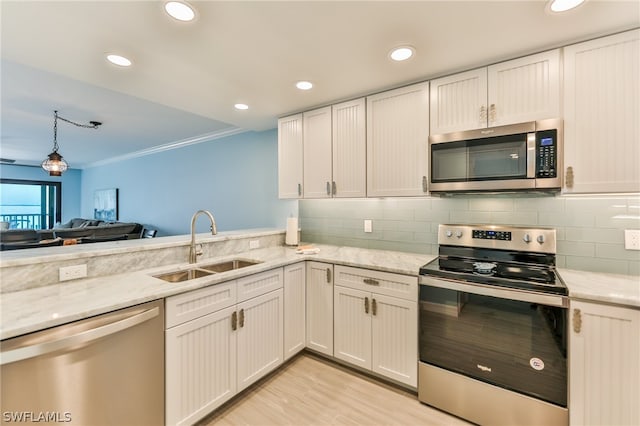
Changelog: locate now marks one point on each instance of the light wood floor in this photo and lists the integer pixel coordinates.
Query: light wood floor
(313, 391)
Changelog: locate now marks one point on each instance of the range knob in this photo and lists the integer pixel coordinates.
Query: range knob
(449, 233)
(526, 238)
(459, 234)
(540, 239)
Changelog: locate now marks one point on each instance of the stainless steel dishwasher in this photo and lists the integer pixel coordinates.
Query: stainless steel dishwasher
(104, 370)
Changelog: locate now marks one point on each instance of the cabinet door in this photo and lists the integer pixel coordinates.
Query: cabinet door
(294, 309)
(260, 332)
(352, 326)
(349, 149)
(200, 367)
(397, 142)
(395, 339)
(604, 350)
(459, 102)
(601, 110)
(317, 153)
(524, 89)
(290, 157)
(320, 307)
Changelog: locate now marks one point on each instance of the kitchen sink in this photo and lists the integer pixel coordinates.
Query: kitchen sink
(179, 276)
(229, 265)
(205, 270)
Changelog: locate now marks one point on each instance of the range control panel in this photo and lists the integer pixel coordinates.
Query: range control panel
(491, 235)
(537, 240)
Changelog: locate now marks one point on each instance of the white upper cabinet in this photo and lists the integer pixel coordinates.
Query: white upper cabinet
(349, 149)
(524, 89)
(602, 114)
(520, 90)
(459, 102)
(397, 140)
(290, 157)
(317, 153)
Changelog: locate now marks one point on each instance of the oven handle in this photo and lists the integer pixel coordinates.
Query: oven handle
(503, 293)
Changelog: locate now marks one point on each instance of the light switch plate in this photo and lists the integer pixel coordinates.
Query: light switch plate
(72, 272)
(632, 239)
(368, 225)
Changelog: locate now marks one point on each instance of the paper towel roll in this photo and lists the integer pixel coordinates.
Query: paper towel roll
(291, 238)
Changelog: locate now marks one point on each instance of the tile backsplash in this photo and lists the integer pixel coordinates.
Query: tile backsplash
(590, 229)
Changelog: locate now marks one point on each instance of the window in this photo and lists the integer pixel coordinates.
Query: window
(28, 204)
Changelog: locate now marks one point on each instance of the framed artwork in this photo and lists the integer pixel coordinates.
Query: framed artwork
(105, 205)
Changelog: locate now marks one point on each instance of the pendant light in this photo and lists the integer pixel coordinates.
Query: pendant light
(54, 164)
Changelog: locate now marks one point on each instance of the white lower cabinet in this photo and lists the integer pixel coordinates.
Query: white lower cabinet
(216, 347)
(320, 307)
(604, 365)
(374, 330)
(294, 309)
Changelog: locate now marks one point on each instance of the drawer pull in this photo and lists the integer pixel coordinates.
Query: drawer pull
(371, 281)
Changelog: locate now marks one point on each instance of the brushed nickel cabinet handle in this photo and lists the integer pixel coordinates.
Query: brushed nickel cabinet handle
(483, 114)
(371, 281)
(333, 187)
(577, 321)
(374, 307)
(366, 305)
(492, 113)
(241, 320)
(424, 184)
(299, 189)
(568, 177)
(329, 275)
(234, 321)
(328, 188)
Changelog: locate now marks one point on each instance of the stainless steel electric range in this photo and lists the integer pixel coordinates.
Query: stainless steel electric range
(493, 338)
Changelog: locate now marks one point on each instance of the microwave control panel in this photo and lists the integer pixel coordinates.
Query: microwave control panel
(546, 154)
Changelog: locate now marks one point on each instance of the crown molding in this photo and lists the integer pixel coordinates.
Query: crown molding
(169, 146)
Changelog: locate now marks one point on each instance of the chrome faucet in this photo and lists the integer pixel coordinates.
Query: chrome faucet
(193, 253)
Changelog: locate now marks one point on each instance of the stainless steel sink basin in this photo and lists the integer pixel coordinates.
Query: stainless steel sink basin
(205, 270)
(229, 265)
(179, 276)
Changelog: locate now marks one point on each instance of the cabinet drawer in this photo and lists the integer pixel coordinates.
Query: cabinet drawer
(258, 284)
(402, 286)
(188, 306)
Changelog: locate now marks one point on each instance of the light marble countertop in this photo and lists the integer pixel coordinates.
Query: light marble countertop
(599, 287)
(35, 309)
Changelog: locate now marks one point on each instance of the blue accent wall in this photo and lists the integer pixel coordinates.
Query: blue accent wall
(236, 178)
(71, 184)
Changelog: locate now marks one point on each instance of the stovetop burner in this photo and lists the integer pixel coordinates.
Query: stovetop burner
(499, 256)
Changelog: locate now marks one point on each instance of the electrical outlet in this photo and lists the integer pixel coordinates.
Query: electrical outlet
(254, 244)
(368, 225)
(632, 239)
(72, 272)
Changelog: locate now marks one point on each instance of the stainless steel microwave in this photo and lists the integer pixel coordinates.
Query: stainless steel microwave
(526, 156)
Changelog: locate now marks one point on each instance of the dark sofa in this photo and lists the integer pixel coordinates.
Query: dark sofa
(77, 229)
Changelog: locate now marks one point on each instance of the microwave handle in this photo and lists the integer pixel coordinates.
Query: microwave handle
(531, 155)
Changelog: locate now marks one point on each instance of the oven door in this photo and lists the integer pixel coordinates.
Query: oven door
(508, 338)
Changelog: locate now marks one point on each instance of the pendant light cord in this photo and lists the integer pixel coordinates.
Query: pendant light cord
(91, 125)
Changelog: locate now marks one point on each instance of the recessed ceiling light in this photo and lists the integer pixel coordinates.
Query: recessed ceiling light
(402, 53)
(564, 5)
(241, 106)
(180, 10)
(304, 85)
(119, 60)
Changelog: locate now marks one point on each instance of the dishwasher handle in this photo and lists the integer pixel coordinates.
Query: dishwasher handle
(27, 352)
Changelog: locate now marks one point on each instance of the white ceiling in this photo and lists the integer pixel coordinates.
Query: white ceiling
(186, 77)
